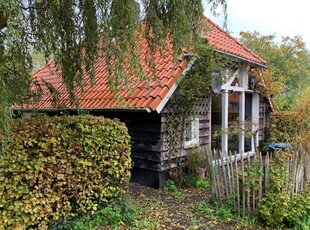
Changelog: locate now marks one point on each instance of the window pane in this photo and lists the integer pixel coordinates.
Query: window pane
(248, 119)
(233, 121)
(188, 131)
(216, 122)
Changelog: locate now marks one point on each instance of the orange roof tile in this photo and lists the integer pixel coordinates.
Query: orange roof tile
(223, 42)
(142, 95)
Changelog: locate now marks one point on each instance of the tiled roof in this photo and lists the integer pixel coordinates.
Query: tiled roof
(223, 42)
(141, 95)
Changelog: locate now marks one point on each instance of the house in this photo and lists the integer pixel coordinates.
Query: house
(149, 112)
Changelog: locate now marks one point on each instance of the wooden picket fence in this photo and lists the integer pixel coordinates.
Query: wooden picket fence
(243, 178)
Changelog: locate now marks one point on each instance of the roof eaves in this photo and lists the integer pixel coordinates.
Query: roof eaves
(241, 58)
(89, 109)
(233, 38)
(174, 86)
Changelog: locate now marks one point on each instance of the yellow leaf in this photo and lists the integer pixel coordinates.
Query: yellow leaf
(5, 219)
(18, 228)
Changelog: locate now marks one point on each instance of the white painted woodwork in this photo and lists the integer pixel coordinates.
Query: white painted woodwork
(241, 120)
(225, 121)
(255, 116)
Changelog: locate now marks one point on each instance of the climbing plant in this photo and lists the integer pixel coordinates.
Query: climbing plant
(192, 98)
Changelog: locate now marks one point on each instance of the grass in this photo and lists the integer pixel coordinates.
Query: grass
(114, 216)
(213, 211)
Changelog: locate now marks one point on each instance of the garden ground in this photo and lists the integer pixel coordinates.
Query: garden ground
(188, 208)
(169, 208)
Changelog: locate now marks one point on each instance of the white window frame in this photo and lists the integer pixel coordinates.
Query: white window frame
(242, 89)
(194, 128)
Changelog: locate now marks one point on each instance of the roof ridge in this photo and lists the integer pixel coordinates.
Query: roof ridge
(43, 66)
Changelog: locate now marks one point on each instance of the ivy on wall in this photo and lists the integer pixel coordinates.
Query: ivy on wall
(194, 91)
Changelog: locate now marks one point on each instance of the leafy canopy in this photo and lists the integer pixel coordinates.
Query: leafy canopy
(75, 32)
(288, 65)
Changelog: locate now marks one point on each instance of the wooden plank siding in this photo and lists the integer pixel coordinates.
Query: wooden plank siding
(145, 131)
(149, 144)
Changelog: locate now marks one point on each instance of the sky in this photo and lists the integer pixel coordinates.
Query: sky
(279, 17)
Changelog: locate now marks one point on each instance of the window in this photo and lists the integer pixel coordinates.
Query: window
(191, 133)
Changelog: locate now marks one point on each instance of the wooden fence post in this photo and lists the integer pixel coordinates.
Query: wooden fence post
(229, 177)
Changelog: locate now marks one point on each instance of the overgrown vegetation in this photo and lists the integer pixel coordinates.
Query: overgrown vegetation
(194, 88)
(279, 206)
(285, 127)
(60, 167)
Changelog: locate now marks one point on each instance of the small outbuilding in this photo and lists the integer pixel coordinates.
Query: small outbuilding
(160, 138)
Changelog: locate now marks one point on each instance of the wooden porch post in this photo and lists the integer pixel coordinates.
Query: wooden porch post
(255, 117)
(241, 120)
(225, 121)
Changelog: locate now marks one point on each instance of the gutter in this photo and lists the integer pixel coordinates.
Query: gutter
(148, 110)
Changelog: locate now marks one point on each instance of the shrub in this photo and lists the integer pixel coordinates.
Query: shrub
(277, 208)
(285, 127)
(59, 167)
(197, 160)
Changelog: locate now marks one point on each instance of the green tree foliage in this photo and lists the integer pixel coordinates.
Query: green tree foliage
(75, 32)
(288, 64)
(60, 167)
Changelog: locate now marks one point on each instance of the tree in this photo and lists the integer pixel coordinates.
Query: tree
(75, 32)
(288, 65)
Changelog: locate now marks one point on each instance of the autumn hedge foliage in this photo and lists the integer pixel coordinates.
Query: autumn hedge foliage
(286, 127)
(60, 167)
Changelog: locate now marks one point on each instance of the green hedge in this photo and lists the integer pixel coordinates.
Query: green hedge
(59, 167)
(285, 127)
